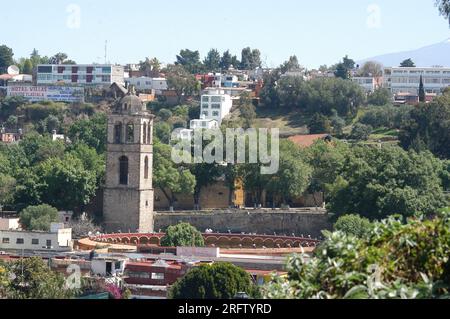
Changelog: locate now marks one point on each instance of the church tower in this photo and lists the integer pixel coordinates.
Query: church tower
(128, 196)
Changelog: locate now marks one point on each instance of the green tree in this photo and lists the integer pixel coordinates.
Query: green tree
(162, 132)
(6, 58)
(408, 63)
(216, 281)
(294, 175)
(190, 60)
(290, 65)
(422, 94)
(182, 235)
(380, 96)
(7, 187)
(67, 184)
(251, 59)
(27, 67)
(395, 260)
(444, 7)
(379, 182)
(353, 225)
(181, 81)
(227, 60)
(342, 72)
(38, 218)
(361, 132)
(168, 177)
(247, 109)
(10, 105)
(371, 69)
(59, 58)
(33, 279)
(90, 131)
(429, 126)
(38, 148)
(319, 124)
(212, 61)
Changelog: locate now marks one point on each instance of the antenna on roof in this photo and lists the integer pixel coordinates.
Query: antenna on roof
(106, 51)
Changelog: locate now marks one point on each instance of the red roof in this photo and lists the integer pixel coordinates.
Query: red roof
(307, 140)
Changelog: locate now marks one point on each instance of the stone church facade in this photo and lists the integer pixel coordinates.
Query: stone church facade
(128, 195)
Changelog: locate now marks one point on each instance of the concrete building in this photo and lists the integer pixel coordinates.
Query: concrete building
(146, 83)
(128, 195)
(204, 124)
(215, 105)
(80, 74)
(58, 239)
(9, 224)
(369, 84)
(407, 80)
(108, 266)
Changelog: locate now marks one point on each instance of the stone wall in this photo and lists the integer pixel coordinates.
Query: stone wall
(298, 222)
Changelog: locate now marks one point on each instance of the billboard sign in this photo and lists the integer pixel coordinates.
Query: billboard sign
(48, 93)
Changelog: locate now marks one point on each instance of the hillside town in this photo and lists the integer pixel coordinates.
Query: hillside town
(95, 205)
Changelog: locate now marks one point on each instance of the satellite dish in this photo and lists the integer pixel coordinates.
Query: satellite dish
(13, 70)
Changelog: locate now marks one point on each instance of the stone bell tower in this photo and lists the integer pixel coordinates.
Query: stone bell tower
(128, 196)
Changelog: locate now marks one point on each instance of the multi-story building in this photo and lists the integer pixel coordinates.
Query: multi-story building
(407, 80)
(146, 83)
(215, 105)
(369, 84)
(57, 239)
(80, 74)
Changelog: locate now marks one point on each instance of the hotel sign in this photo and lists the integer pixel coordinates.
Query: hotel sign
(48, 93)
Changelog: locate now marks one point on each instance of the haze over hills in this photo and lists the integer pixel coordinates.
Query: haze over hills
(431, 55)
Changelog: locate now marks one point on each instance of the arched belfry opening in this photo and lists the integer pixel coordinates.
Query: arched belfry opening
(128, 195)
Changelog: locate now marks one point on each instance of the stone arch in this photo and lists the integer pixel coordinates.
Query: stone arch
(247, 242)
(259, 242)
(125, 240)
(154, 241)
(269, 243)
(134, 240)
(118, 133)
(235, 241)
(210, 240)
(144, 240)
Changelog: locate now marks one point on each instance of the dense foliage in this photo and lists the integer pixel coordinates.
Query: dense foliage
(38, 218)
(31, 278)
(182, 235)
(353, 225)
(395, 260)
(216, 281)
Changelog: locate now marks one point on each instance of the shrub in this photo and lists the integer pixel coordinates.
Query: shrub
(38, 217)
(217, 281)
(353, 225)
(396, 260)
(182, 234)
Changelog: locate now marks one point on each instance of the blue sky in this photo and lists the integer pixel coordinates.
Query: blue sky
(318, 32)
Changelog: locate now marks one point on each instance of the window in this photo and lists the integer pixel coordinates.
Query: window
(205, 105)
(144, 138)
(215, 99)
(130, 133)
(146, 168)
(106, 70)
(205, 99)
(205, 113)
(117, 265)
(157, 276)
(215, 106)
(34, 241)
(45, 69)
(20, 241)
(48, 243)
(123, 170)
(149, 134)
(215, 113)
(5, 241)
(106, 78)
(118, 133)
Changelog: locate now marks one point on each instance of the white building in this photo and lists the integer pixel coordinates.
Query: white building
(58, 239)
(204, 124)
(80, 74)
(407, 80)
(108, 266)
(215, 105)
(369, 84)
(146, 83)
(9, 224)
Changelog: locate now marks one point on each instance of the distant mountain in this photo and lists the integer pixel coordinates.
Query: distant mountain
(435, 54)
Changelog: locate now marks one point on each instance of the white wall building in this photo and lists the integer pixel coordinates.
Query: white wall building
(215, 105)
(107, 266)
(80, 74)
(146, 83)
(58, 239)
(407, 80)
(9, 224)
(204, 124)
(369, 84)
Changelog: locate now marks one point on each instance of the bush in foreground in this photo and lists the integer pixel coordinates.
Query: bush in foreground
(398, 260)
